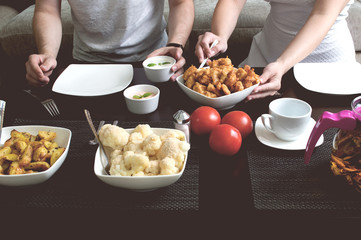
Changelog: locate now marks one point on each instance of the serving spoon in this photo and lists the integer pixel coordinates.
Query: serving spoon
(205, 60)
(103, 156)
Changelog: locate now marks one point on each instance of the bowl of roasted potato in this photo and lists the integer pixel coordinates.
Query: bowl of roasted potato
(221, 85)
(31, 154)
(142, 158)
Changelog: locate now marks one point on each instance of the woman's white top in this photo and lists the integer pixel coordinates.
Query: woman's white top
(285, 19)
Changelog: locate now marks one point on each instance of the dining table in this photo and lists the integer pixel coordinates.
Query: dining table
(260, 187)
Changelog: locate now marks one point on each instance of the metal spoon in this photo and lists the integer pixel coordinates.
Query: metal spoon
(103, 157)
(205, 60)
(2, 113)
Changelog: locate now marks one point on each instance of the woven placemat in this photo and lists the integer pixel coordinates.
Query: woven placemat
(75, 185)
(281, 181)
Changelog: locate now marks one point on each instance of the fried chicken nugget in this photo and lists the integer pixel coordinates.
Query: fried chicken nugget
(238, 86)
(189, 72)
(231, 78)
(199, 88)
(225, 89)
(241, 74)
(210, 94)
(220, 62)
(213, 89)
(205, 77)
(190, 81)
(225, 71)
(215, 75)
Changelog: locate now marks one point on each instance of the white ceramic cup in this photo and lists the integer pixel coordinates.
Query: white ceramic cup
(144, 105)
(154, 69)
(288, 118)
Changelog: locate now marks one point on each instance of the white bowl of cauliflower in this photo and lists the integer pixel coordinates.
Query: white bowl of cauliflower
(142, 158)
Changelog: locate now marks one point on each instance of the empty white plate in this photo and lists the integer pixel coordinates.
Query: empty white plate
(269, 139)
(330, 78)
(93, 79)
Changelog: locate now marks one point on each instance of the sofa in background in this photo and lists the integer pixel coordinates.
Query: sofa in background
(17, 42)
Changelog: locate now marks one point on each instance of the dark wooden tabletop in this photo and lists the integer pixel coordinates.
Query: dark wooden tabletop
(225, 193)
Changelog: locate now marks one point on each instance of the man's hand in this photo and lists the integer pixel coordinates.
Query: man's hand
(174, 52)
(38, 69)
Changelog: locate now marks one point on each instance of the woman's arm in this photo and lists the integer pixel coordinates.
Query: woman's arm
(320, 21)
(224, 21)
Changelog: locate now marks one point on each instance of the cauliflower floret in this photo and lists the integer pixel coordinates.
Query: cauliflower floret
(152, 144)
(144, 129)
(113, 136)
(134, 147)
(118, 167)
(167, 166)
(136, 162)
(136, 137)
(173, 134)
(141, 173)
(115, 153)
(143, 153)
(153, 168)
(135, 143)
(173, 148)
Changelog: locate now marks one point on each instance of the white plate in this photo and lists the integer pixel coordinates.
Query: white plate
(93, 79)
(269, 139)
(329, 78)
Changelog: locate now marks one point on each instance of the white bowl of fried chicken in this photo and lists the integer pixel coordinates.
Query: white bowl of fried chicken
(220, 85)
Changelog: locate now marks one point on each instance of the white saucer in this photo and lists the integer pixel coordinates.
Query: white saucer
(269, 139)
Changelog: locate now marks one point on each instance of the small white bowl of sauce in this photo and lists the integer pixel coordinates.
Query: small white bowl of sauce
(158, 69)
(142, 98)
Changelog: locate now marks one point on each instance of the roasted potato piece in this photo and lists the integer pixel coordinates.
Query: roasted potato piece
(26, 156)
(55, 155)
(22, 136)
(20, 146)
(38, 166)
(40, 154)
(53, 146)
(5, 151)
(25, 153)
(47, 144)
(11, 157)
(47, 135)
(15, 168)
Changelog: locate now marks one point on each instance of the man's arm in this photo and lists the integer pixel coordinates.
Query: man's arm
(180, 20)
(47, 28)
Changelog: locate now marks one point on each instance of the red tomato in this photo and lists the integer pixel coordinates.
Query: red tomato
(239, 120)
(225, 140)
(204, 119)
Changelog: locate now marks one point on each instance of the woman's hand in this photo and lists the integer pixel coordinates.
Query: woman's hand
(203, 49)
(270, 81)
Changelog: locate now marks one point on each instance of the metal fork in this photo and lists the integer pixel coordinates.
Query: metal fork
(51, 107)
(101, 124)
(95, 141)
(49, 104)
